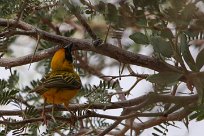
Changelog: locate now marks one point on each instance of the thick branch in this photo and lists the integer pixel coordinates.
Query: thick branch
(151, 98)
(136, 126)
(91, 114)
(13, 62)
(152, 122)
(83, 44)
(26, 121)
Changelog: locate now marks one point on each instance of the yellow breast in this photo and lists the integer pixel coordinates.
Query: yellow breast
(59, 96)
(60, 63)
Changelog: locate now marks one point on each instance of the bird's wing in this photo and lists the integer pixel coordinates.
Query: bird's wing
(59, 80)
(65, 80)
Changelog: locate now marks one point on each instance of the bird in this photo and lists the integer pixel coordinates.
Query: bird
(62, 83)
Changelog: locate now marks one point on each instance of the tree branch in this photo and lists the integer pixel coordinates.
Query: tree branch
(156, 121)
(83, 44)
(93, 71)
(108, 129)
(151, 98)
(77, 14)
(13, 62)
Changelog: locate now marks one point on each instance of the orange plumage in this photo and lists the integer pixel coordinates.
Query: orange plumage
(62, 83)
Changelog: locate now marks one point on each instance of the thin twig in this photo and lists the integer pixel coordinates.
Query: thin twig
(37, 43)
(156, 121)
(51, 25)
(107, 34)
(143, 76)
(108, 129)
(94, 71)
(22, 8)
(75, 11)
(21, 101)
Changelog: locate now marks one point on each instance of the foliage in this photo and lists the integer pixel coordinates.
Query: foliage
(161, 79)
(98, 94)
(8, 89)
(162, 129)
(170, 27)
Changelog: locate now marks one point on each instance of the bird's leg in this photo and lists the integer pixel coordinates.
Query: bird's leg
(52, 115)
(71, 112)
(43, 113)
(73, 117)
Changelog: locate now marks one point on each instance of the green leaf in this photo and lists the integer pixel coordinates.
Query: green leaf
(13, 80)
(5, 96)
(139, 38)
(188, 11)
(161, 46)
(186, 53)
(158, 130)
(194, 115)
(112, 13)
(3, 84)
(59, 14)
(199, 114)
(162, 126)
(166, 33)
(199, 59)
(101, 7)
(191, 34)
(30, 111)
(164, 78)
(198, 81)
(115, 84)
(154, 134)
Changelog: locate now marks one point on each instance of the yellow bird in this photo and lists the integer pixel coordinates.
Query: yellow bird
(62, 83)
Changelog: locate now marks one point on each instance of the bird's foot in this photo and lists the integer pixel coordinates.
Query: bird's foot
(44, 117)
(73, 118)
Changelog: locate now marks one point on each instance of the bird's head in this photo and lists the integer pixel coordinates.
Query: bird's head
(68, 55)
(62, 59)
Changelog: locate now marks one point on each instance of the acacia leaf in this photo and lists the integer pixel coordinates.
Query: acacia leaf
(112, 13)
(139, 38)
(166, 33)
(186, 53)
(164, 78)
(200, 60)
(161, 46)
